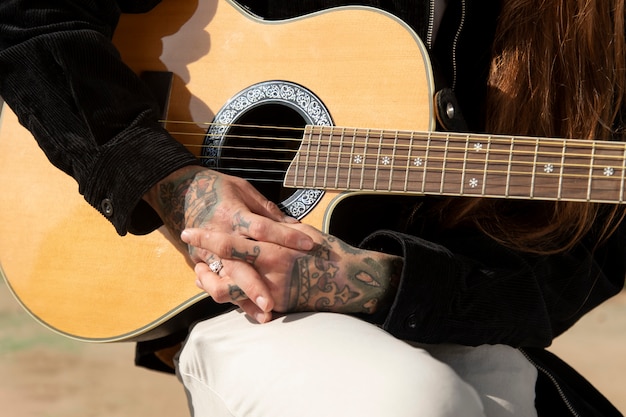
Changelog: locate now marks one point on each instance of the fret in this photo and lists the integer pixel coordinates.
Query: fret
(394, 156)
(379, 156)
(519, 166)
(408, 162)
(607, 186)
(444, 163)
(562, 170)
(472, 163)
(486, 165)
(352, 160)
(328, 154)
(534, 167)
(499, 163)
(591, 164)
(364, 163)
(621, 185)
(464, 169)
(339, 154)
(509, 168)
(546, 180)
(426, 161)
(308, 156)
(317, 155)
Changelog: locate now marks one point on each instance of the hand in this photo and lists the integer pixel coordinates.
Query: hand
(196, 197)
(333, 276)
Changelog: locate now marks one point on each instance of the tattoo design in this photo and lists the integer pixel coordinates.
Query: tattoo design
(366, 279)
(239, 222)
(188, 202)
(320, 285)
(172, 197)
(201, 199)
(370, 305)
(236, 293)
(245, 256)
(340, 278)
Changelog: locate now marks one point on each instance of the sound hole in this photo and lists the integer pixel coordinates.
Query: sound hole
(260, 145)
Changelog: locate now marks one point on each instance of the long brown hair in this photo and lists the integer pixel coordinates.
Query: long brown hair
(557, 71)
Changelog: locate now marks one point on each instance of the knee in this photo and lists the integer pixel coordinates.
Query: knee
(427, 387)
(192, 361)
(324, 362)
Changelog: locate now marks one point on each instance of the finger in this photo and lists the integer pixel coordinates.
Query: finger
(249, 281)
(257, 203)
(247, 306)
(253, 311)
(260, 229)
(205, 246)
(215, 264)
(263, 224)
(236, 293)
(239, 283)
(263, 229)
(222, 245)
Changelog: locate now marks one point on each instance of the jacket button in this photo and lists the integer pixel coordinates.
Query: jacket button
(107, 207)
(411, 321)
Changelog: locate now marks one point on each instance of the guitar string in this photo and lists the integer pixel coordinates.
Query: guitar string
(400, 161)
(451, 149)
(556, 143)
(433, 169)
(453, 136)
(353, 132)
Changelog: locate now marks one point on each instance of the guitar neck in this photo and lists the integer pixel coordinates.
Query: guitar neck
(459, 164)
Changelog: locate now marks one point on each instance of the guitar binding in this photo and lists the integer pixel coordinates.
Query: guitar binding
(256, 135)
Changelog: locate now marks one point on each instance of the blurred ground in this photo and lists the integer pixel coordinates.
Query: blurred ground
(596, 347)
(46, 375)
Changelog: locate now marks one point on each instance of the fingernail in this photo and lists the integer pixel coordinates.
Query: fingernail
(289, 219)
(262, 302)
(260, 317)
(199, 284)
(184, 235)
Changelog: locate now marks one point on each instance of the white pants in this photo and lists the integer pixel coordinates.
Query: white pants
(324, 364)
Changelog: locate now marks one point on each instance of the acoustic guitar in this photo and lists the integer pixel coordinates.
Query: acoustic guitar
(312, 110)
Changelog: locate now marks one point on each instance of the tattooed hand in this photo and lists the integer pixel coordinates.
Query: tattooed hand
(333, 276)
(196, 197)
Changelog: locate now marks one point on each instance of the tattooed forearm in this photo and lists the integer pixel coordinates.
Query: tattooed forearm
(331, 278)
(187, 200)
(173, 204)
(201, 198)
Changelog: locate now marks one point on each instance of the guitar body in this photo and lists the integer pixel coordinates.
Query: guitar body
(350, 66)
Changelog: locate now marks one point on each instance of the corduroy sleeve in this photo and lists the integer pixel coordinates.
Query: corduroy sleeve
(91, 115)
(468, 289)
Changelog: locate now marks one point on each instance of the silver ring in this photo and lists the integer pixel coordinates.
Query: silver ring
(216, 266)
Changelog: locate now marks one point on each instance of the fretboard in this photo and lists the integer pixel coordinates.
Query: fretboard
(459, 164)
